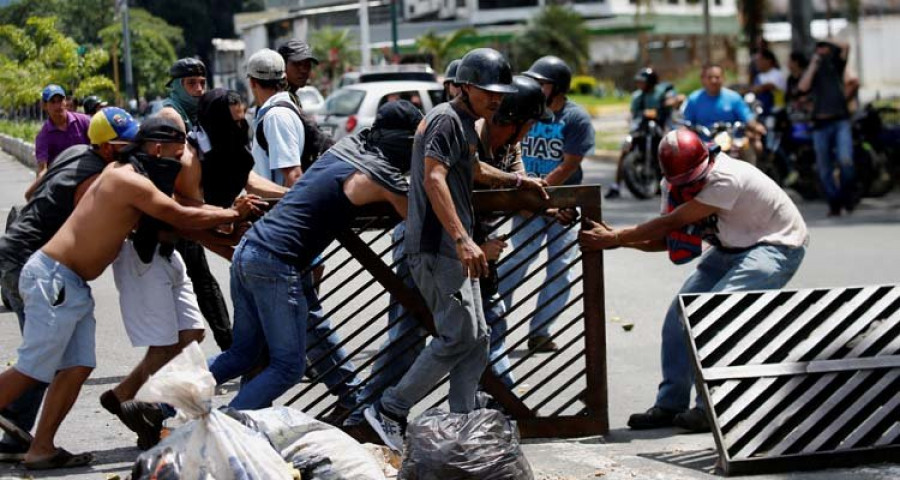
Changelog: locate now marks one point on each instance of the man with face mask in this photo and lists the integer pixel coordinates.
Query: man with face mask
(187, 86)
(54, 198)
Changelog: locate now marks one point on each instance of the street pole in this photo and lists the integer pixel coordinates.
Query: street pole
(394, 45)
(364, 33)
(707, 32)
(801, 14)
(126, 35)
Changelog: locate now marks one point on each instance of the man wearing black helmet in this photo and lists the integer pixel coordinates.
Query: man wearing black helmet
(444, 260)
(553, 151)
(451, 89)
(650, 95)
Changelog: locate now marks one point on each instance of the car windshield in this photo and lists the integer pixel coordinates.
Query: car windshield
(308, 98)
(344, 102)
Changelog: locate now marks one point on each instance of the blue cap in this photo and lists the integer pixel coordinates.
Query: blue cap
(51, 91)
(112, 123)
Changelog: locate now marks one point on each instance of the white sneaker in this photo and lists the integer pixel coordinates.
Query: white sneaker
(390, 430)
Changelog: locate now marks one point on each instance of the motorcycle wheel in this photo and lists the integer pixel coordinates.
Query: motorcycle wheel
(641, 181)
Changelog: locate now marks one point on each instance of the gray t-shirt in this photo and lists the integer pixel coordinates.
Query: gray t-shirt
(449, 137)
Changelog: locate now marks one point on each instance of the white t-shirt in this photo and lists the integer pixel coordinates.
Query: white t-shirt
(285, 135)
(774, 76)
(752, 208)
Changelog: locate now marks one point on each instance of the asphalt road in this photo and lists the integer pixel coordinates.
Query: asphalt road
(857, 250)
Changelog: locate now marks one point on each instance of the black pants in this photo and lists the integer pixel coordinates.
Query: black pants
(209, 295)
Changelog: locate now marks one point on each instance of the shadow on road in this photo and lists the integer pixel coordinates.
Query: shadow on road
(703, 461)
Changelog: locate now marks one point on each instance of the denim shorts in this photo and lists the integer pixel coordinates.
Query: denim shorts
(59, 333)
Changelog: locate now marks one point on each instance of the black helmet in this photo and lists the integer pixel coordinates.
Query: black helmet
(553, 70)
(486, 69)
(187, 67)
(92, 103)
(648, 76)
(527, 103)
(452, 67)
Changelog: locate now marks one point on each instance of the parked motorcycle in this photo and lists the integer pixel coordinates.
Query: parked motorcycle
(870, 153)
(641, 164)
(789, 157)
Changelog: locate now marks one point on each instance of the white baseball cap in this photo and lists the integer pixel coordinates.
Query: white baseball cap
(266, 64)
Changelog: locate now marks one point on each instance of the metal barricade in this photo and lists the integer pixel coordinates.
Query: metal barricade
(558, 394)
(799, 379)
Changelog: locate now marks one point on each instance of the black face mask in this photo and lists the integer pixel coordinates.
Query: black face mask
(160, 170)
(396, 145)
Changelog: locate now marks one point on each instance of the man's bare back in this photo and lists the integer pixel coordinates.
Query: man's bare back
(92, 236)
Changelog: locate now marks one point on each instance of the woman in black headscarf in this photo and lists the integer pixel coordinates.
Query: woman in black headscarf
(223, 143)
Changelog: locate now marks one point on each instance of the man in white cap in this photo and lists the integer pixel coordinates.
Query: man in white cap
(278, 158)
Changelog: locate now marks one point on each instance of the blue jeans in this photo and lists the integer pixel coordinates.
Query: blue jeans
(764, 267)
(270, 311)
(322, 355)
(23, 411)
(494, 309)
(514, 268)
(833, 142)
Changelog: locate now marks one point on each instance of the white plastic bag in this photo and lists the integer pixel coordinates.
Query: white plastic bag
(211, 445)
(318, 450)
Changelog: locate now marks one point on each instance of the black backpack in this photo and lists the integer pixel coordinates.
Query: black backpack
(316, 141)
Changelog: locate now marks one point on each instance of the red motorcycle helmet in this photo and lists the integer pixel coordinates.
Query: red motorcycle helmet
(683, 157)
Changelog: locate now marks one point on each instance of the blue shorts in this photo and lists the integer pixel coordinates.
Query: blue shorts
(59, 319)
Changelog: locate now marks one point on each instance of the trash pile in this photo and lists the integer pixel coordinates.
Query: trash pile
(284, 443)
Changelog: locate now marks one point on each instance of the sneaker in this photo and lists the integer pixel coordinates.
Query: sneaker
(390, 430)
(693, 420)
(144, 419)
(612, 193)
(655, 417)
(542, 345)
(12, 452)
(14, 431)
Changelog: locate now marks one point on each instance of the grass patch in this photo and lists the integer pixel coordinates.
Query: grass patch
(600, 105)
(25, 130)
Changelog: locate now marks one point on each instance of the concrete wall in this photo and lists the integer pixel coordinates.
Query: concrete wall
(880, 69)
(22, 151)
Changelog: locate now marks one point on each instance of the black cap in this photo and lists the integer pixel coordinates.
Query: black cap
(187, 67)
(297, 51)
(487, 69)
(398, 115)
(160, 129)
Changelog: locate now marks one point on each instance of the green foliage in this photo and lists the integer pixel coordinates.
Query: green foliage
(556, 31)
(38, 54)
(329, 43)
(443, 49)
(583, 84)
(153, 46)
(79, 19)
(689, 81)
(26, 130)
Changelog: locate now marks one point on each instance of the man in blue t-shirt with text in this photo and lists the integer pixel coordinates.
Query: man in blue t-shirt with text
(553, 151)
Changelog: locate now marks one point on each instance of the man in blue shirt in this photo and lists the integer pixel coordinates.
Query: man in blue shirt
(553, 151)
(715, 103)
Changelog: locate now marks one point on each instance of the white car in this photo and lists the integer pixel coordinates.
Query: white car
(311, 99)
(352, 108)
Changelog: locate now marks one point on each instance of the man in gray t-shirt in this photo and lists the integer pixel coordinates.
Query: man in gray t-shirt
(444, 262)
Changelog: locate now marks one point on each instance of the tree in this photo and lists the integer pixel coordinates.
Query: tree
(38, 54)
(443, 49)
(556, 31)
(336, 49)
(81, 19)
(153, 46)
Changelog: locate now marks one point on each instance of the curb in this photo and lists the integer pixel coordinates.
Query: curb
(19, 149)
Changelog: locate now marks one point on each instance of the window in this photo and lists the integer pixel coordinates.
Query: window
(437, 96)
(344, 102)
(413, 96)
(496, 4)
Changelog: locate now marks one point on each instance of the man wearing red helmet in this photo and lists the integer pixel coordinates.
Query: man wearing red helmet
(758, 240)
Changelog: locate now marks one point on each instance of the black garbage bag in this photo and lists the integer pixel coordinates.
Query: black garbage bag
(480, 445)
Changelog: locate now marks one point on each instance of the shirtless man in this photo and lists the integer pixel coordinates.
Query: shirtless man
(54, 284)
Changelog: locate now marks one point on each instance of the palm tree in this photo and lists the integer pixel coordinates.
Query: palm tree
(336, 49)
(556, 31)
(442, 49)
